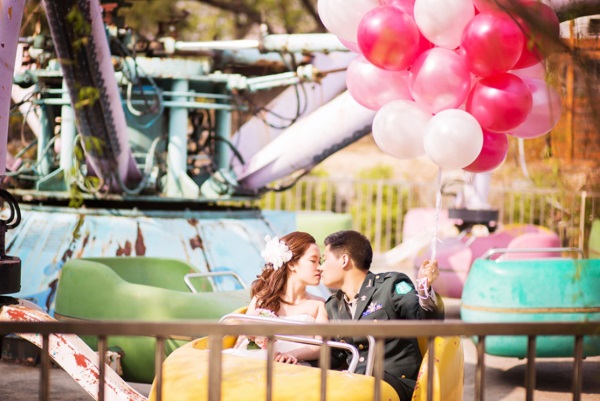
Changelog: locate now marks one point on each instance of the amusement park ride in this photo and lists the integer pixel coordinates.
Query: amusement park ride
(162, 146)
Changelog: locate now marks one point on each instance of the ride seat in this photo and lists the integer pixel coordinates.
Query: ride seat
(449, 372)
(533, 241)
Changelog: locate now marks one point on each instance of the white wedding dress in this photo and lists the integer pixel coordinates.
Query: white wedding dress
(281, 346)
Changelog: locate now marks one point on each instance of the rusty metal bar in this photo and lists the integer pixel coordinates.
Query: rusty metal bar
(102, 348)
(578, 368)
(480, 372)
(270, 351)
(530, 372)
(215, 344)
(378, 368)
(430, 366)
(324, 364)
(45, 369)
(159, 357)
(396, 328)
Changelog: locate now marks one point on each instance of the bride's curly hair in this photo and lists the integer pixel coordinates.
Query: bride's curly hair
(270, 283)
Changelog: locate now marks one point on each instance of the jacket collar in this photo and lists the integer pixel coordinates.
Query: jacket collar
(364, 295)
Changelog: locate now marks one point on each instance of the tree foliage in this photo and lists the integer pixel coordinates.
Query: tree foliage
(221, 19)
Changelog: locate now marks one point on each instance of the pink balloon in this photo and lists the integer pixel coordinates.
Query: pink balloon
(439, 80)
(536, 71)
(407, 6)
(500, 103)
(539, 40)
(545, 112)
(388, 37)
(373, 87)
(352, 46)
(492, 43)
(492, 5)
(493, 153)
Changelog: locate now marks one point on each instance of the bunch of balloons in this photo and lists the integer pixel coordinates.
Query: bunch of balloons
(449, 78)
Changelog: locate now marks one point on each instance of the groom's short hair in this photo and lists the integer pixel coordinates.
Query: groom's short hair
(353, 244)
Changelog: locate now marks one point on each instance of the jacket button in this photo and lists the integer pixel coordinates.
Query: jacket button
(361, 359)
(360, 346)
(376, 277)
(403, 376)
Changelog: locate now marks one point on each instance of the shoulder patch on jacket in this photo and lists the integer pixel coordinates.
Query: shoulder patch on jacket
(402, 288)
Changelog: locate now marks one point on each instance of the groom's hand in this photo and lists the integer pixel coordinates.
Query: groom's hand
(429, 269)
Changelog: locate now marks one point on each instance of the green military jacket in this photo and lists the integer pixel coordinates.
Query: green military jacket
(386, 296)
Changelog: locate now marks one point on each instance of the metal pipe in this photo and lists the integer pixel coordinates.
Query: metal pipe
(270, 352)
(178, 104)
(530, 373)
(430, 366)
(177, 147)
(480, 370)
(45, 369)
(303, 43)
(215, 343)
(43, 157)
(324, 365)
(296, 43)
(380, 356)
(223, 133)
(101, 366)
(11, 14)
(159, 357)
(67, 132)
(578, 368)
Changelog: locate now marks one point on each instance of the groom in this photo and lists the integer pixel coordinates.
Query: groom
(363, 295)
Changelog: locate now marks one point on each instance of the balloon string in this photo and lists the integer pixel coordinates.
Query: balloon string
(438, 207)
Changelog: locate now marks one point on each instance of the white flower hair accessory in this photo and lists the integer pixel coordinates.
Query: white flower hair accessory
(276, 252)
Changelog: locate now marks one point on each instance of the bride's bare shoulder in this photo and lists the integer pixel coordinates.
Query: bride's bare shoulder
(316, 298)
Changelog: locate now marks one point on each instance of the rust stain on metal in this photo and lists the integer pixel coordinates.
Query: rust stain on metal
(10, 12)
(84, 243)
(124, 250)
(196, 242)
(75, 236)
(140, 247)
(67, 255)
(50, 296)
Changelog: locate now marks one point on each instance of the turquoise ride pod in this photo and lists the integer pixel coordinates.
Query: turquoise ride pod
(534, 290)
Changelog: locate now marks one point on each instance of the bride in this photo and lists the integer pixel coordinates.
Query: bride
(292, 264)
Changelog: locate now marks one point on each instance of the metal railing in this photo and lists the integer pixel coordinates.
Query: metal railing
(378, 206)
(217, 331)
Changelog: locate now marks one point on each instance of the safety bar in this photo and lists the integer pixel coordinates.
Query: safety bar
(210, 275)
(299, 339)
(495, 251)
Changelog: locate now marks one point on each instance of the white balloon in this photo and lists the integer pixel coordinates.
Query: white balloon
(453, 139)
(442, 21)
(398, 129)
(341, 17)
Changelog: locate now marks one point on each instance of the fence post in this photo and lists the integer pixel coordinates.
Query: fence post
(582, 215)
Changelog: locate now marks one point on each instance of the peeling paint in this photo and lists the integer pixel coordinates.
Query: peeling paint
(196, 242)
(140, 247)
(124, 250)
